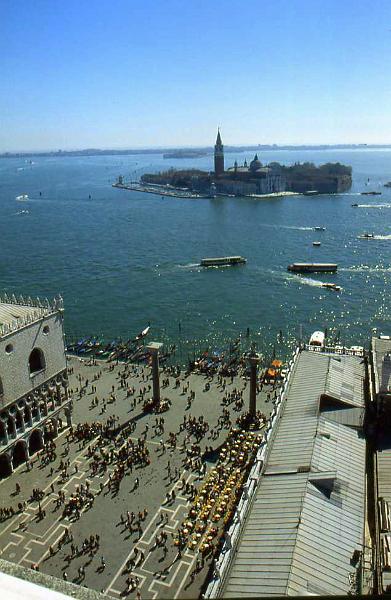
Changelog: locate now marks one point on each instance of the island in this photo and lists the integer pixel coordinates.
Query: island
(252, 179)
(185, 154)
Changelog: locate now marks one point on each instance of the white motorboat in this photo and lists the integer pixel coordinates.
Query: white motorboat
(332, 286)
(22, 198)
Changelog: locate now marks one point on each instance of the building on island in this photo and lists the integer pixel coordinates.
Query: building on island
(34, 399)
(249, 179)
(219, 156)
(245, 180)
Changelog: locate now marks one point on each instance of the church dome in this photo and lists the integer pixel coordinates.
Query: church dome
(255, 164)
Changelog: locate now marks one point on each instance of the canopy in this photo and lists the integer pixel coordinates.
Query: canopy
(277, 363)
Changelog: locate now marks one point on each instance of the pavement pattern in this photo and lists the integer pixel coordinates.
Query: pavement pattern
(159, 570)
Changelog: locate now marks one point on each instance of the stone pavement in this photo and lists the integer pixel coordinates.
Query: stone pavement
(25, 538)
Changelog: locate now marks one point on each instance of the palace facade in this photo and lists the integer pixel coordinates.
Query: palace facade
(34, 399)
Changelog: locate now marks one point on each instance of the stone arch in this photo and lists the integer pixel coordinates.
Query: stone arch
(26, 413)
(35, 441)
(19, 453)
(34, 411)
(50, 429)
(10, 425)
(3, 429)
(5, 465)
(36, 361)
(18, 419)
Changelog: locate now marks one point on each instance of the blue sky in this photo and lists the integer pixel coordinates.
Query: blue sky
(121, 73)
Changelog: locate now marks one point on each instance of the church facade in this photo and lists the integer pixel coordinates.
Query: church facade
(246, 179)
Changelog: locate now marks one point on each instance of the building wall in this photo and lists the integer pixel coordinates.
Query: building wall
(262, 185)
(14, 366)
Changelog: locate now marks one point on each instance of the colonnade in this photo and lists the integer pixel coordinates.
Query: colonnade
(25, 424)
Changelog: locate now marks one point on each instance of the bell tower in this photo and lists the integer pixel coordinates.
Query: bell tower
(219, 155)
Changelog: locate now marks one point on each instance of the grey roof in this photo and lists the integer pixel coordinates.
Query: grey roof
(352, 416)
(307, 516)
(13, 312)
(382, 362)
(345, 380)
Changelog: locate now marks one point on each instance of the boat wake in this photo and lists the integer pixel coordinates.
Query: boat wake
(382, 237)
(297, 227)
(373, 206)
(305, 280)
(189, 266)
(365, 269)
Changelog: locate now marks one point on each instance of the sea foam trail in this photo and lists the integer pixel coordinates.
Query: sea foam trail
(305, 280)
(373, 206)
(294, 227)
(365, 269)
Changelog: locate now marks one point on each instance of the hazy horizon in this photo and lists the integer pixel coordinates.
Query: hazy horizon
(360, 146)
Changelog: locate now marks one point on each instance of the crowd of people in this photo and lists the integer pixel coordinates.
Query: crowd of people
(113, 454)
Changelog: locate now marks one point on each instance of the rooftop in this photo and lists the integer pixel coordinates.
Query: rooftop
(16, 313)
(382, 362)
(307, 518)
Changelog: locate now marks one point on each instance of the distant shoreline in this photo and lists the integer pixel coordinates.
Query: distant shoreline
(204, 150)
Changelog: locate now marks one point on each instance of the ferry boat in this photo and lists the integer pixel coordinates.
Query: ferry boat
(223, 261)
(312, 267)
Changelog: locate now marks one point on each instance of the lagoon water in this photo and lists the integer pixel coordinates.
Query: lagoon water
(123, 259)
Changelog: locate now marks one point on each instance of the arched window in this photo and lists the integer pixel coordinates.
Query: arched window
(36, 361)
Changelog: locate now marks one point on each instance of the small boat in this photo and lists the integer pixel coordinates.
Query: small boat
(316, 243)
(388, 184)
(355, 204)
(370, 193)
(313, 267)
(366, 236)
(332, 286)
(317, 339)
(319, 228)
(311, 193)
(22, 212)
(143, 333)
(22, 198)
